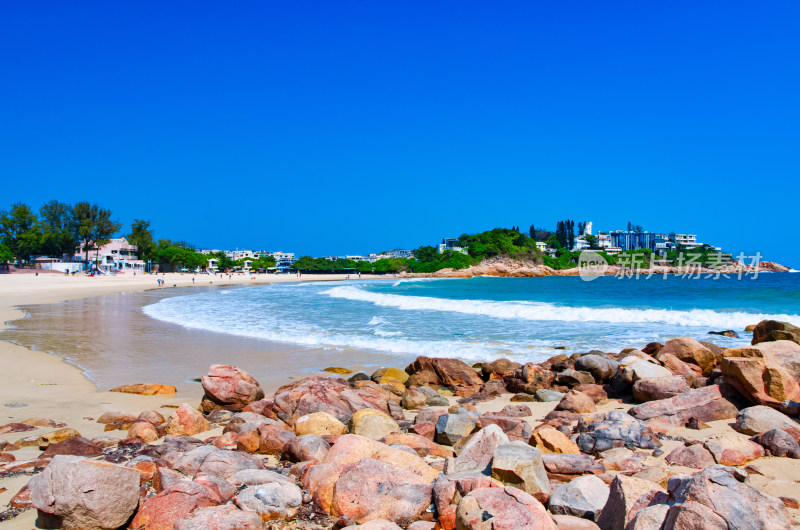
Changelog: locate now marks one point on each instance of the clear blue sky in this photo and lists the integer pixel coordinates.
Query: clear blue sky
(353, 127)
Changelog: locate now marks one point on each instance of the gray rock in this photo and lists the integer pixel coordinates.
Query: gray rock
(570, 378)
(437, 401)
(452, 428)
(427, 391)
(254, 477)
(520, 465)
(650, 518)
(778, 443)
(276, 500)
(582, 497)
(546, 395)
(614, 429)
(758, 419)
(224, 517)
(602, 368)
(567, 464)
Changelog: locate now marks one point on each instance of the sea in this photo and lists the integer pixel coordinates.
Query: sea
(523, 319)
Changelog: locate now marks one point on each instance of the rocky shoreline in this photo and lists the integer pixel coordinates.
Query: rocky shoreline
(669, 436)
(506, 267)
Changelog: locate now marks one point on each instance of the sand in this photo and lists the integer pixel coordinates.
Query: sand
(50, 387)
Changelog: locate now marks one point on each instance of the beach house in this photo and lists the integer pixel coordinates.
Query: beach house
(116, 255)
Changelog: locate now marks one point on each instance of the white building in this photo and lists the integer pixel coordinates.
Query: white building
(686, 240)
(117, 254)
(283, 260)
(452, 245)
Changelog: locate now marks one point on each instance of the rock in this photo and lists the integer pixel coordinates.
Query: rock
(229, 387)
(659, 388)
(208, 459)
(145, 390)
(614, 429)
(690, 351)
(413, 399)
(274, 501)
(724, 490)
(727, 333)
(692, 514)
(477, 453)
(116, 418)
(371, 489)
(790, 408)
(175, 502)
(520, 465)
(86, 494)
(372, 424)
(758, 419)
(690, 372)
(501, 509)
(308, 447)
(650, 518)
(627, 495)
(528, 378)
(143, 431)
(274, 439)
(320, 479)
(515, 428)
(773, 330)
(730, 449)
(60, 435)
(383, 524)
(319, 424)
(254, 477)
(582, 497)
(547, 395)
(549, 440)
(569, 464)
(695, 456)
(220, 416)
(437, 401)
(516, 411)
(704, 404)
(449, 372)
(762, 380)
(499, 367)
(450, 489)
(596, 392)
(634, 368)
(784, 352)
(72, 446)
(224, 517)
(384, 375)
(328, 394)
(152, 416)
(186, 421)
(421, 445)
(452, 428)
(778, 443)
(570, 378)
(602, 368)
(578, 402)
(265, 407)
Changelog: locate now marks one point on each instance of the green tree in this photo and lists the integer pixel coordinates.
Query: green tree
(426, 253)
(142, 236)
(95, 226)
(20, 231)
(5, 255)
(59, 236)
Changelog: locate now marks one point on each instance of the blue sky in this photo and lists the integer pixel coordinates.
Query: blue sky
(353, 127)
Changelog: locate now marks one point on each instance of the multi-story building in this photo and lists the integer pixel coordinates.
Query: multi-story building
(685, 240)
(629, 240)
(117, 254)
(283, 260)
(452, 245)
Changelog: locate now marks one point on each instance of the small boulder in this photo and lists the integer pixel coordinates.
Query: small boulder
(274, 501)
(501, 509)
(186, 421)
(145, 390)
(229, 387)
(308, 447)
(577, 402)
(582, 497)
(731, 449)
(778, 443)
(372, 424)
(477, 453)
(319, 424)
(549, 440)
(659, 388)
(452, 428)
(758, 419)
(143, 431)
(602, 368)
(627, 495)
(224, 517)
(72, 446)
(774, 330)
(516, 410)
(520, 465)
(691, 351)
(695, 456)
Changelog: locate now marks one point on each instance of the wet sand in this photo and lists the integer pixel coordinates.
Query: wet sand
(114, 343)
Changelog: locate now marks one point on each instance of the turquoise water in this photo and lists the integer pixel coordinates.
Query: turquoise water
(480, 318)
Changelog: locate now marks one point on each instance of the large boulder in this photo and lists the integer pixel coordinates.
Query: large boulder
(760, 378)
(602, 368)
(186, 421)
(82, 493)
(628, 495)
(582, 497)
(529, 378)
(614, 429)
(320, 479)
(328, 394)
(758, 419)
(774, 330)
(726, 492)
(229, 387)
(692, 514)
(659, 388)
(577, 402)
(452, 428)
(176, 501)
(784, 352)
(501, 509)
(634, 368)
(690, 351)
(499, 368)
(477, 453)
(449, 372)
(370, 489)
(778, 443)
(520, 465)
(704, 404)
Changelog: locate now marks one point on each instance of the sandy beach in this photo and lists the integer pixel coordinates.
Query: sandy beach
(42, 385)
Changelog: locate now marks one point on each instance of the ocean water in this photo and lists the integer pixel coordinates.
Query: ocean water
(484, 318)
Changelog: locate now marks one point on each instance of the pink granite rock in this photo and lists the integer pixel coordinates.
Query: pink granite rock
(229, 387)
(502, 509)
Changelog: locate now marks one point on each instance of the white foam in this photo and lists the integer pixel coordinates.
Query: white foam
(376, 321)
(545, 311)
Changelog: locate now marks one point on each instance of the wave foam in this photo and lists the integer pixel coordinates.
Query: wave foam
(545, 311)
